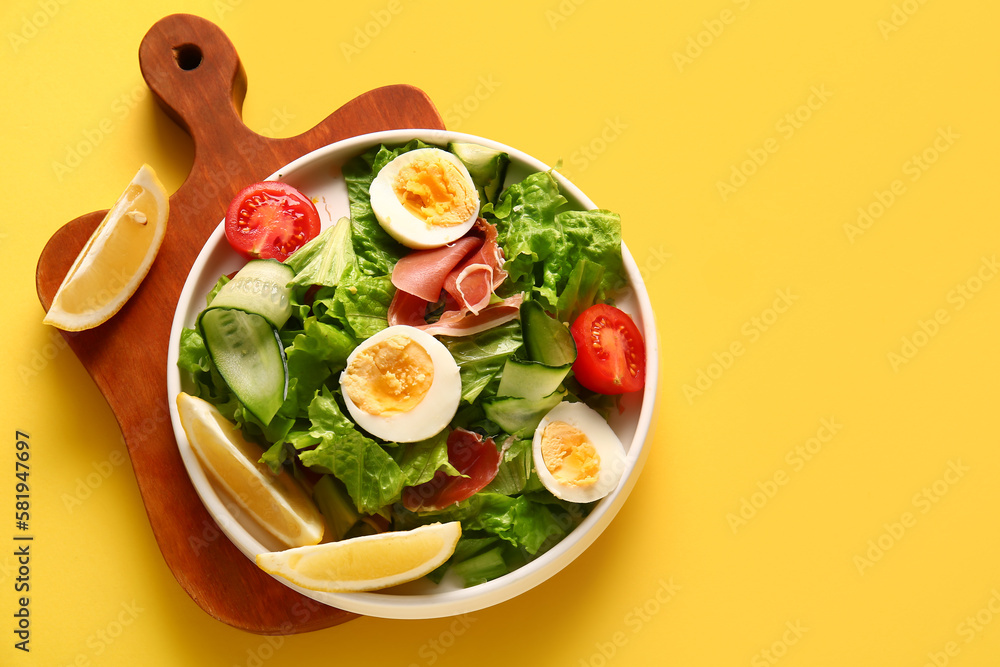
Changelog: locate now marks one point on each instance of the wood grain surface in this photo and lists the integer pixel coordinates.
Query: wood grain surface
(195, 74)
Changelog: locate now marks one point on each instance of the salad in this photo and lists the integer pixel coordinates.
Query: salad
(445, 354)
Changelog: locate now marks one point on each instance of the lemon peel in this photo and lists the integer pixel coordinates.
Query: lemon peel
(115, 259)
(368, 563)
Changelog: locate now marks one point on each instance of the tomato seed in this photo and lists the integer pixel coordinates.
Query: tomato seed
(596, 329)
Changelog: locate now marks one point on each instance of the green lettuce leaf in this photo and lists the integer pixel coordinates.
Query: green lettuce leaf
(275, 456)
(420, 460)
(313, 358)
(360, 303)
(273, 431)
(543, 244)
(593, 236)
(522, 522)
(515, 469)
(526, 224)
(377, 252)
(323, 260)
(481, 356)
(192, 355)
(580, 291)
(215, 289)
(372, 478)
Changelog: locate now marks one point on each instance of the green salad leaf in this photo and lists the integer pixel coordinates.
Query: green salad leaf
(377, 252)
(528, 233)
(524, 523)
(543, 244)
(420, 460)
(372, 478)
(323, 260)
(515, 470)
(192, 355)
(592, 236)
(481, 356)
(360, 303)
(580, 291)
(313, 358)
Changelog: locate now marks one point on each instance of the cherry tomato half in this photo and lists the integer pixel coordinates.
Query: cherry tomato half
(611, 356)
(270, 220)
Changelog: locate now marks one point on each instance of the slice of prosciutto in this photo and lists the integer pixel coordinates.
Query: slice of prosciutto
(472, 456)
(471, 287)
(456, 323)
(467, 273)
(408, 309)
(475, 279)
(423, 273)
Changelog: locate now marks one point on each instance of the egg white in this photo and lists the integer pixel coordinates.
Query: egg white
(602, 437)
(435, 410)
(403, 225)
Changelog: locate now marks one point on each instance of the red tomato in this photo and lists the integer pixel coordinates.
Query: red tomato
(270, 220)
(611, 356)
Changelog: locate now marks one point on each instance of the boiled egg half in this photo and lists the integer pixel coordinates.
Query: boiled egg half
(425, 198)
(576, 454)
(401, 385)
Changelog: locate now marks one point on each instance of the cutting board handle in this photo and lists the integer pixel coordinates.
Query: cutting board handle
(193, 70)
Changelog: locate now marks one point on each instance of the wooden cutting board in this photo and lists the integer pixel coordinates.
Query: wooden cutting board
(195, 74)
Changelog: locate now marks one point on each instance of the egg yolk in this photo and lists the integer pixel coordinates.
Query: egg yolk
(389, 377)
(569, 455)
(435, 191)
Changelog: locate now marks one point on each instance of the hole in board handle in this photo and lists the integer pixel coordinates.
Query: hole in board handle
(187, 56)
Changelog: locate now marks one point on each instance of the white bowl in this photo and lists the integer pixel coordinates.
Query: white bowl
(318, 175)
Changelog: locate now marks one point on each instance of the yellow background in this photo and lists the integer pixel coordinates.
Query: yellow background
(604, 86)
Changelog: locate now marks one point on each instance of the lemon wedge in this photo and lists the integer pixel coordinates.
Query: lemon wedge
(277, 502)
(366, 563)
(115, 259)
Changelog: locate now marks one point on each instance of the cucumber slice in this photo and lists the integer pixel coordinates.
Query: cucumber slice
(240, 330)
(546, 339)
(488, 168)
(247, 350)
(260, 287)
(530, 379)
(520, 416)
(482, 567)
